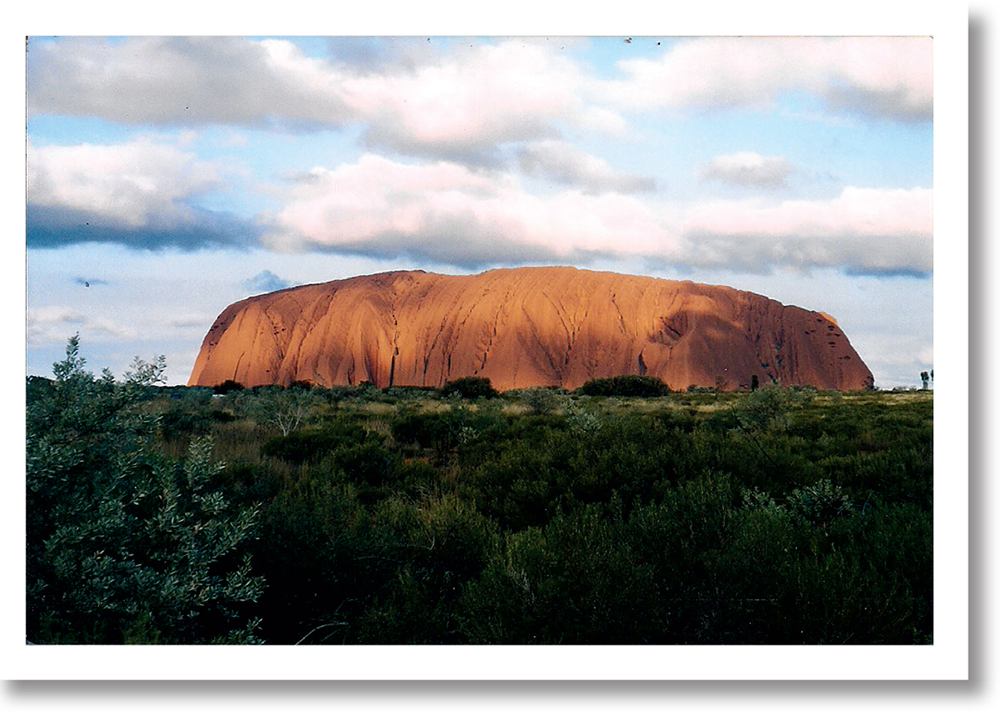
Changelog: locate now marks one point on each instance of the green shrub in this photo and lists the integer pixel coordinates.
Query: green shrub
(442, 544)
(368, 463)
(442, 431)
(541, 401)
(227, 386)
(429, 430)
(124, 545)
(765, 409)
(576, 581)
(313, 444)
(626, 386)
(470, 388)
(819, 504)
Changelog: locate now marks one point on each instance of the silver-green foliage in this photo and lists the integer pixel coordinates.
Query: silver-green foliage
(283, 409)
(125, 545)
(816, 504)
(769, 408)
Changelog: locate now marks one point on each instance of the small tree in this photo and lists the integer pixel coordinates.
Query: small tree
(765, 409)
(925, 379)
(124, 545)
(542, 401)
(286, 409)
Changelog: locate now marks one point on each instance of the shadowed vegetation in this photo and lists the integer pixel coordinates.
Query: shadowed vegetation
(547, 517)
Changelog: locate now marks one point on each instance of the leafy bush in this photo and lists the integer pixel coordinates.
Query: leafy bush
(626, 386)
(442, 431)
(313, 444)
(470, 388)
(577, 581)
(227, 386)
(443, 543)
(541, 401)
(281, 408)
(819, 504)
(765, 409)
(368, 463)
(124, 545)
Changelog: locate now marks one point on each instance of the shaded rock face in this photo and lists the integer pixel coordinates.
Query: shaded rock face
(523, 328)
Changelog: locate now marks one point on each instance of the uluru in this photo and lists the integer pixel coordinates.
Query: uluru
(522, 328)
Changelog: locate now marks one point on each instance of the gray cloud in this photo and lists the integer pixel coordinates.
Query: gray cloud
(176, 80)
(392, 131)
(869, 255)
(897, 104)
(748, 170)
(266, 281)
(380, 54)
(568, 165)
(49, 227)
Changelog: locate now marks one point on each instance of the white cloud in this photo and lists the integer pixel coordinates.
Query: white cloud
(457, 109)
(452, 214)
(472, 101)
(861, 230)
(55, 324)
(137, 184)
(866, 212)
(569, 165)
(888, 77)
(464, 104)
(184, 321)
(749, 170)
(895, 356)
(460, 105)
(603, 120)
(146, 194)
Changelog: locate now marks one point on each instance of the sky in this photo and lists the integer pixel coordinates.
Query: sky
(168, 177)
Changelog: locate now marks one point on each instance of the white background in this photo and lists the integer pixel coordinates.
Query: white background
(953, 296)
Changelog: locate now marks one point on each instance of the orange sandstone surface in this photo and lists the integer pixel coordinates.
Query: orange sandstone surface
(523, 328)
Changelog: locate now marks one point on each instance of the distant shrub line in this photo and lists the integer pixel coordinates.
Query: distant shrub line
(472, 387)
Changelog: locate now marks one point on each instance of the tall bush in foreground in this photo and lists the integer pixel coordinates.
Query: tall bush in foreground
(124, 545)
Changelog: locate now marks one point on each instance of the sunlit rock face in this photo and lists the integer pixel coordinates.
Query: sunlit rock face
(523, 328)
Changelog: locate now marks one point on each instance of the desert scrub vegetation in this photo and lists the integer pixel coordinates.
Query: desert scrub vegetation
(397, 516)
(126, 545)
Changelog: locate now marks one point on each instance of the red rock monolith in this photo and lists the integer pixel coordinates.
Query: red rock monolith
(523, 328)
